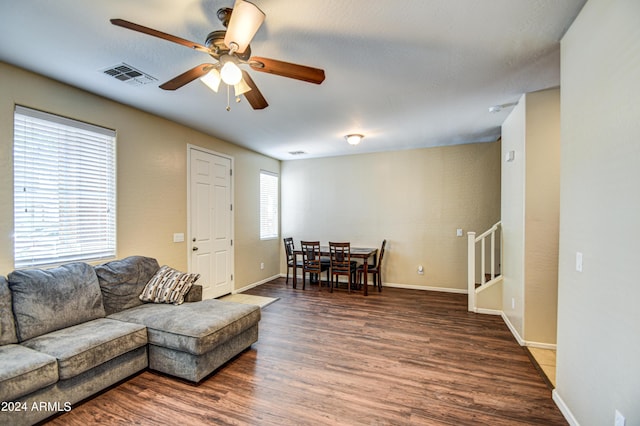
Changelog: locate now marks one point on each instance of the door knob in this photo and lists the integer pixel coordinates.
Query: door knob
(195, 249)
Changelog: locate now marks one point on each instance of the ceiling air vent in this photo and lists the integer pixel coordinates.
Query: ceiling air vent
(129, 74)
(297, 152)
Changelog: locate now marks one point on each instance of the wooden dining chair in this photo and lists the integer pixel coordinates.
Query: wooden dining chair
(292, 260)
(341, 264)
(375, 270)
(312, 262)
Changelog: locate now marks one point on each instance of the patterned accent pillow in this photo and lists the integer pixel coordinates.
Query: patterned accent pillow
(168, 286)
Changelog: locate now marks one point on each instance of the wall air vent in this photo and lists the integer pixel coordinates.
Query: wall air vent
(129, 74)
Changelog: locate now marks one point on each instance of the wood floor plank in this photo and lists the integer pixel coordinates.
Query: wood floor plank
(400, 357)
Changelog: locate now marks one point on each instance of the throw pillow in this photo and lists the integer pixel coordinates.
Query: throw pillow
(168, 286)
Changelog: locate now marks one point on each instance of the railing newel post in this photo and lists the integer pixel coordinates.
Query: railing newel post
(471, 271)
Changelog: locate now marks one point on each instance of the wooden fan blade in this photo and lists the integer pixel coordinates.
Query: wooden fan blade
(253, 96)
(287, 69)
(150, 31)
(187, 77)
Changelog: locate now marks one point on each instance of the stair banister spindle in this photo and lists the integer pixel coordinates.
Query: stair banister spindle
(482, 261)
(493, 254)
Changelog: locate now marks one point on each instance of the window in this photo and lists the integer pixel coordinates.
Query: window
(64, 190)
(268, 205)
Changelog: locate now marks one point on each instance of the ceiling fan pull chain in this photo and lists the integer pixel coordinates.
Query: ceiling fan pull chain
(228, 106)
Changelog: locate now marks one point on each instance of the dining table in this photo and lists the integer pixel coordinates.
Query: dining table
(363, 253)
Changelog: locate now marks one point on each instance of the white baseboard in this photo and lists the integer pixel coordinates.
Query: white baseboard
(488, 311)
(564, 409)
(540, 345)
(256, 284)
(409, 286)
(421, 287)
(513, 330)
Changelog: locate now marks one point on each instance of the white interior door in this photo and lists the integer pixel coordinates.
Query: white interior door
(211, 220)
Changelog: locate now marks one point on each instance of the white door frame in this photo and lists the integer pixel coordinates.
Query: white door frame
(191, 147)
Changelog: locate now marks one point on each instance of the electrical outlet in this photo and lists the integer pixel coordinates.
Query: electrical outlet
(420, 270)
(261, 265)
(459, 232)
(620, 420)
(513, 303)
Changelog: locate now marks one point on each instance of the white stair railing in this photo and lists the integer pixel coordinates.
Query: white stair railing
(495, 252)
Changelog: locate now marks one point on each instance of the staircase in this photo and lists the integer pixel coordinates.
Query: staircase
(487, 270)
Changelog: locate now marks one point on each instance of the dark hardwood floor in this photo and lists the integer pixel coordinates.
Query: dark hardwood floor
(400, 357)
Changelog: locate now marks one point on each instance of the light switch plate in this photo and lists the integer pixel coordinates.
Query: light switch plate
(579, 261)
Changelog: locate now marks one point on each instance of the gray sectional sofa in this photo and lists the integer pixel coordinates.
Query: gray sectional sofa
(69, 332)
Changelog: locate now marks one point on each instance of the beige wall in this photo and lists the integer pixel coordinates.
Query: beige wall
(416, 199)
(542, 217)
(530, 216)
(151, 175)
(598, 316)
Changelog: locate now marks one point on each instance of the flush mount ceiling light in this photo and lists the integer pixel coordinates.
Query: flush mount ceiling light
(354, 139)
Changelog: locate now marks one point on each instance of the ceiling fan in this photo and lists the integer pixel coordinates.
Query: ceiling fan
(230, 48)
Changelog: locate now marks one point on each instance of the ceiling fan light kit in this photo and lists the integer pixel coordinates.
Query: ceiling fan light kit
(212, 79)
(230, 73)
(241, 87)
(231, 49)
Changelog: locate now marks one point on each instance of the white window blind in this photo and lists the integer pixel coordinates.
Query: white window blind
(64, 190)
(268, 205)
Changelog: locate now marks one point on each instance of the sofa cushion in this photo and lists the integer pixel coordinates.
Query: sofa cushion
(196, 327)
(195, 294)
(23, 370)
(168, 286)
(7, 325)
(81, 347)
(49, 300)
(122, 281)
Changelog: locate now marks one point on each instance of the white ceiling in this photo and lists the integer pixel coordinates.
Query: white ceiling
(405, 73)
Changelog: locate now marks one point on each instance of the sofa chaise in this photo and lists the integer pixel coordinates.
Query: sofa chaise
(69, 332)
